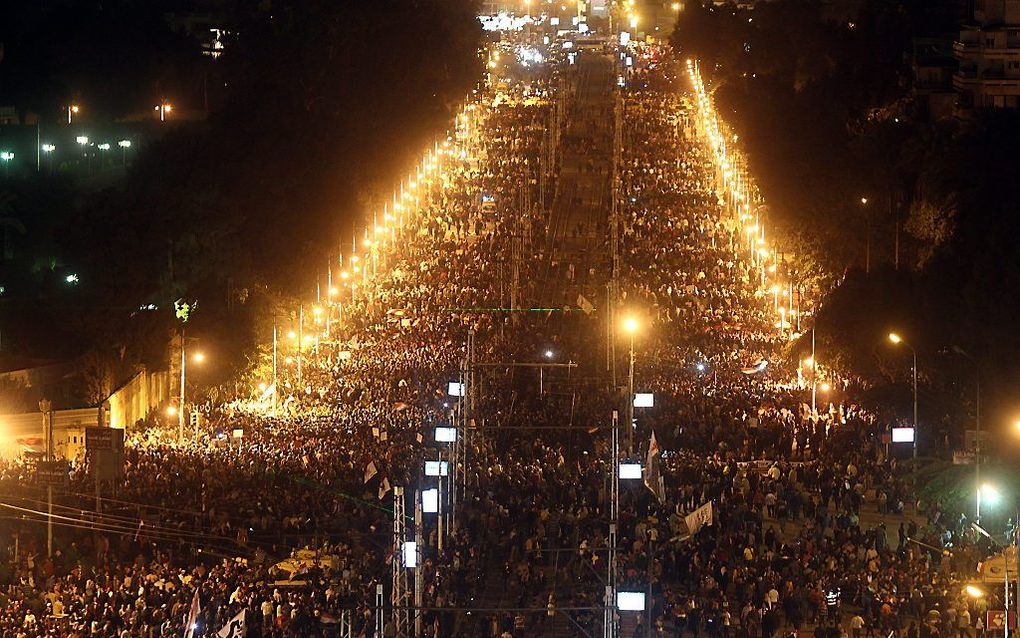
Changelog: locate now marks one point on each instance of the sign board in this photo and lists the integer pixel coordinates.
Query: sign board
(630, 600)
(430, 501)
(903, 435)
(52, 473)
(644, 400)
(455, 389)
(630, 471)
(446, 435)
(107, 465)
(437, 468)
(996, 620)
(104, 439)
(963, 457)
(410, 554)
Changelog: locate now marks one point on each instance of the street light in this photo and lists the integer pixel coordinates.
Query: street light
(630, 326)
(974, 591)
(124, 146)
(72, 110)
(897, 340)
(198, 357)
(48, 149)
(163, 109)
(7, 156)
(989, 494)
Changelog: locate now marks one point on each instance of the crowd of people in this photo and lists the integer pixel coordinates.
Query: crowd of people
(812, 522)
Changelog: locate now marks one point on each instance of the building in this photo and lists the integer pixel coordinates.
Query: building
(988, 53)
(933, 67)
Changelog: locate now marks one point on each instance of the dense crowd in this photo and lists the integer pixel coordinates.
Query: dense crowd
(292, 522)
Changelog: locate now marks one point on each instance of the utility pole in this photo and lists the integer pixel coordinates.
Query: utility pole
(275, 386)
(180, 408)
(400, 594)
(300, 342)
(47, 414)
(419, 581)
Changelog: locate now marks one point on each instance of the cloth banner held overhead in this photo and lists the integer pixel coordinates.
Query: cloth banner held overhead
(652, 479)
(370, 471)
(699, 518)
(756, 367)
(236, 628)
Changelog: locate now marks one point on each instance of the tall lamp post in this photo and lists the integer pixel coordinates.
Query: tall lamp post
(198, 357)
(630, 326)
(898, 340)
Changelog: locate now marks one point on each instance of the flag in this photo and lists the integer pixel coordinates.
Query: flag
(370, 471)
(699, 518)
(383, 488)
(192, 620)
(236, 628)
(585, 305)
(652, 479)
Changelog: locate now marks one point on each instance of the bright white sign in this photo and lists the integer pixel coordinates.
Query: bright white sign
(644, 400)
(903, 435)
(455, 389)
(437, 468)
(630, 470)
(630, 600)
(410, 554)
(430, 501)
(446, 435)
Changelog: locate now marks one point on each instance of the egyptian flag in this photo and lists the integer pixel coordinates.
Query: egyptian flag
(236, 628)
(192, 620)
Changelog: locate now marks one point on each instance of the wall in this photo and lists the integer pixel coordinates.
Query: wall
(133, 401)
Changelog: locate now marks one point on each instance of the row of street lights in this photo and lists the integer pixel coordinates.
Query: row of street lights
(7, 156)
(163, 109)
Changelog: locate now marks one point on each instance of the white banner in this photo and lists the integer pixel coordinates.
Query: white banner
(699, 518)
(236, 628)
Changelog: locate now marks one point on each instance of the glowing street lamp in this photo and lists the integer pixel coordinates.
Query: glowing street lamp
(974, 591)
(48, 150)
(630, 325)
(72, 110)
(7, 157)
(124, 146)
(163, 109)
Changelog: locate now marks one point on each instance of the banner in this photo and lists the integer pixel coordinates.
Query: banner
(370, 471)
(755, 368)
(236, 628)
(699, 518)
(652, 479)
